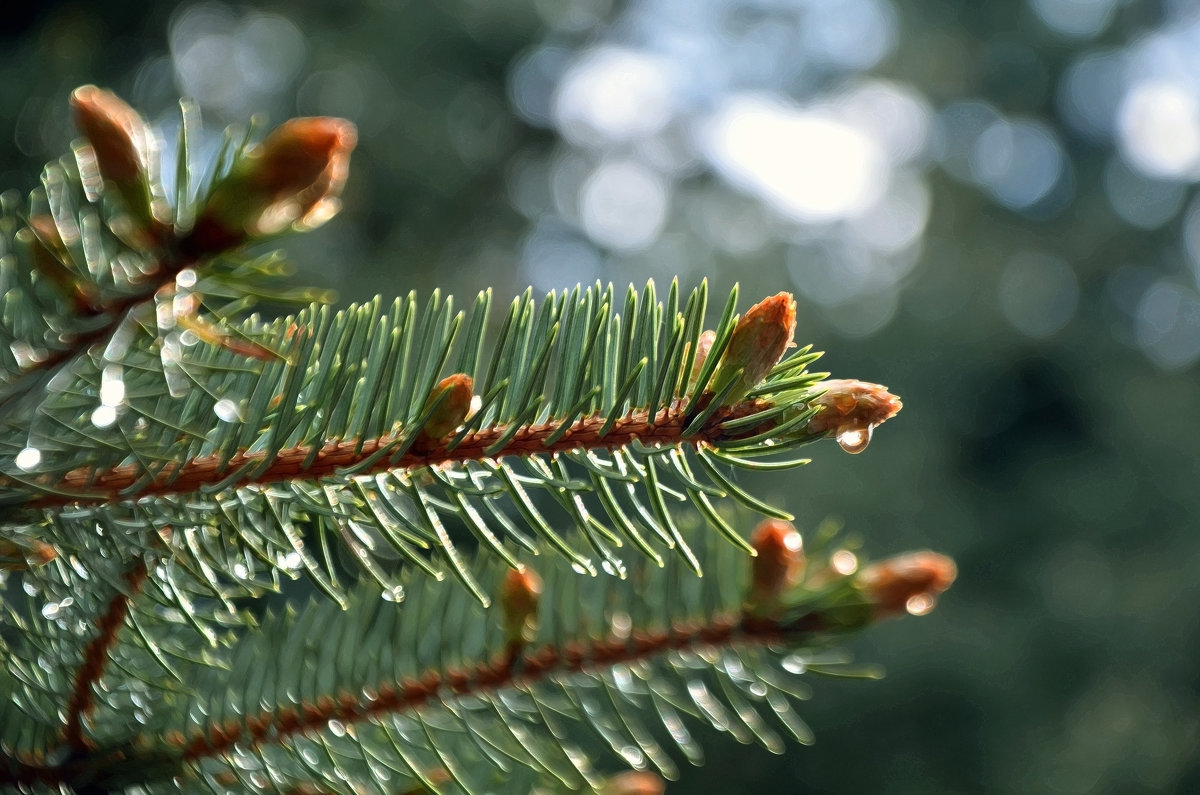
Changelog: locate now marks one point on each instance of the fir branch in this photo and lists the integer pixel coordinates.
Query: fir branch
(351, 428)
(726, 640)
(184, 458)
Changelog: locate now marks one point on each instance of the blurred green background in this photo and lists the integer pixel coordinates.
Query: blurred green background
(988, 207)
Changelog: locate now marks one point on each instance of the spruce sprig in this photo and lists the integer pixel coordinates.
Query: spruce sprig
(170, 462)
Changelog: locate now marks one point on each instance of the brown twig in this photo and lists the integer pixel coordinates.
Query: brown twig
(515, 664)
(95, 659)
(87, 486)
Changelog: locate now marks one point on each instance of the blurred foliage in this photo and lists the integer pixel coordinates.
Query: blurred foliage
(1042, 323)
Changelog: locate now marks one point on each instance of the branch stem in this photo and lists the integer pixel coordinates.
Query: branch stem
(95, 659)
(515, 663)
(86, 486)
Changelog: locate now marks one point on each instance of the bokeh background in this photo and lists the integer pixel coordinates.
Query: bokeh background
(990, 207)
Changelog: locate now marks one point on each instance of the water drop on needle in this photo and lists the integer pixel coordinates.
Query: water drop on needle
(854, 439)
(920, 604)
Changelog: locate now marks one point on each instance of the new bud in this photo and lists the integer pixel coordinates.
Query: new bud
(634, 782)
(703, 346)
(458, 390)
(908, 583)
(851, 410)
(123, 145)
(777, 566)
(519, 597)
(759, 341)
(293, 177)
(18, 553)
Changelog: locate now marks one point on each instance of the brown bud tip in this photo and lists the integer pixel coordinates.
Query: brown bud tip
(759, 341)
(19, 554)
(301, 164)
(908, 583)
(703, 346)
(850, 411)
(293, 177)
(454, 408)
(119, 136)
(634, 782)
(778, 564)
(519, 597)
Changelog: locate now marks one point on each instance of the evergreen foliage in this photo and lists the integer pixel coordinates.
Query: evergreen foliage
(225, 534)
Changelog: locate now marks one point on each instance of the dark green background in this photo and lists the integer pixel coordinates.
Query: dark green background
(1059, 471)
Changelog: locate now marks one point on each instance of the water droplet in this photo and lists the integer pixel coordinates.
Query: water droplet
(112, 386)
(795, 664)
(854, 439)
(337, 728)
(28, 459)
(104, 416)
(633, 755)
(394, 594)
(844, 562)
(50, 610)
(290, 562)
(920, 604)
(227, 411)
(240, 571)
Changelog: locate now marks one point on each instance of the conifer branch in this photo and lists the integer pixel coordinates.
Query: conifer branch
(189, 456)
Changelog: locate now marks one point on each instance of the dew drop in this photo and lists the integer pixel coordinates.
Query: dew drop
(50, 610)
(28, 459)
(394, 594)
(920, 604)
(633, 755)
(795, 664)
(844, 562)
(104, 416)
(227, 411)
(337, 728)
(854, 439)
(112, 386)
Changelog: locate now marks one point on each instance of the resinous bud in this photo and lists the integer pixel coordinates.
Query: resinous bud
(777, 566)
(703, 346)
(294, 177)
(455, 406)
(520, 594)
(18, 554)
(634, 782)
(909, 583)
(123, 145)
(759, 341)
(850, 410)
